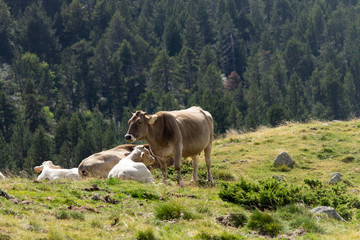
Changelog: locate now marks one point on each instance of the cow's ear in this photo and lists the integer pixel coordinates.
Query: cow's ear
(152, 119)
(127, 154)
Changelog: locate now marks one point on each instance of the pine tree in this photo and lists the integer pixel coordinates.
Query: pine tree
(40, 149)
(164, 78)
(35, 33)
(19, 143)
(6, 33)
(32, 101)
(172, 36)
(333, 93)
(7, 115)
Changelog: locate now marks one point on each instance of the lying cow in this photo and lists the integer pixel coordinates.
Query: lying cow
(2, 176)
(129, 169)
(177, 134)
(52, 172)
(100, 164)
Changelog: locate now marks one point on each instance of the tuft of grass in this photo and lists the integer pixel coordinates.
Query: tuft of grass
(238, 219)
(95, 223)
(173, 209)
(264, 224)
(64, 215)
(223, 236)
(283, 168)
(348, 159)
(224, 175)
(148, 234)
(142, 194)
(299, 216)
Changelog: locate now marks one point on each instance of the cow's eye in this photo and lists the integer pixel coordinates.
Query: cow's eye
(139, 122)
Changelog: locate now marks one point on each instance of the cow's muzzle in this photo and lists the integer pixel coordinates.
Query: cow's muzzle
(130, 138)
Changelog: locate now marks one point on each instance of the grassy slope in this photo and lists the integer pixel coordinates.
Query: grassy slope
(317, 148)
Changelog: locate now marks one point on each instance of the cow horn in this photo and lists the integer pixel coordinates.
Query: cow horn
(130, 111)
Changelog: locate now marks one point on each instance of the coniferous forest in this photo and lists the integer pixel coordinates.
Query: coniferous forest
(70, 69)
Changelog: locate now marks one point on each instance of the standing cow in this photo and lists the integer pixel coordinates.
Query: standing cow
(177, 134)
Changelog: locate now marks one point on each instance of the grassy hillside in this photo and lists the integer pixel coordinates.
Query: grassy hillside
(130, 210)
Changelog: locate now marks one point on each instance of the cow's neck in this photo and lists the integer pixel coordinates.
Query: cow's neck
(154, 141)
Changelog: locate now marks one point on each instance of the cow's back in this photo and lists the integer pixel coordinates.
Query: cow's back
(196, 127)
(99, 164)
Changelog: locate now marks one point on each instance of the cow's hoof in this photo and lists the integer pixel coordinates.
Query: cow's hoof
(193, 183)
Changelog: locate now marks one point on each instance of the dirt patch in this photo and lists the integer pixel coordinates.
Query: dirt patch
(4, 235)
(294, 235)
(93, 188)
(108, 199)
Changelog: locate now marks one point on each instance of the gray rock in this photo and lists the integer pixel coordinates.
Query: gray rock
(329, 211)
(284, 159)
(277, 177)
(96, 197)
(336, 177)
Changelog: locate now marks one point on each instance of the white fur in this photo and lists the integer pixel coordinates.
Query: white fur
(52, 172)
(2, 176)
(128, 169)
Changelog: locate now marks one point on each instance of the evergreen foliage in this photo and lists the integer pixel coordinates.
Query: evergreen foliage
(272, 194)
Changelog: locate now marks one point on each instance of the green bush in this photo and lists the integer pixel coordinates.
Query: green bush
(271, 194)
(264, 224)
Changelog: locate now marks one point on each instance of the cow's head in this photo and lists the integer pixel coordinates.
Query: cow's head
(49, 164)
(138, 126)
(145, 155)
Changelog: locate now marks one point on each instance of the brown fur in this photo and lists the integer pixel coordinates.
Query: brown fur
(100, 164)
(184, 133)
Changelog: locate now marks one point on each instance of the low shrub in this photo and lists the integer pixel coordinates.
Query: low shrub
(271, 194)
(264, 224)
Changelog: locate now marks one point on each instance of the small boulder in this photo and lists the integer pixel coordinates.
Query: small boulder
(277, 177)
(284, 159)
(96, 197)
(336, 177)
(329, 211)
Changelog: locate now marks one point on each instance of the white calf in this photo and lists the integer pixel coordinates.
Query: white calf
(128, 169)
(2, 176)
(50, 171)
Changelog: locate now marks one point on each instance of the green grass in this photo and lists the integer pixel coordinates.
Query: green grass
(161, 211)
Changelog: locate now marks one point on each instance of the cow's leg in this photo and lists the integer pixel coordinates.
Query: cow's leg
(207, 152)
(163, 168)
(177, 164)
(195, 164)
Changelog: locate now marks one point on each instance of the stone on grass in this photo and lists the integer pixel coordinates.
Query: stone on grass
(329, 211)
(284, 159)
(336, 177)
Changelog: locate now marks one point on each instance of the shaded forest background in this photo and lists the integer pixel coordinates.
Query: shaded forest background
(70, 70)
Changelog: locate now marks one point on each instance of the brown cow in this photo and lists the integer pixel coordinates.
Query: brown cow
(100, 164)
(177, 134)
